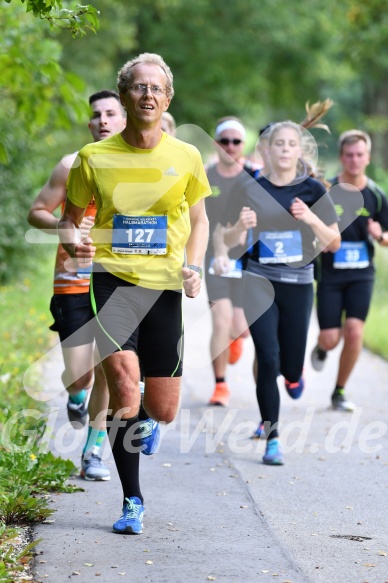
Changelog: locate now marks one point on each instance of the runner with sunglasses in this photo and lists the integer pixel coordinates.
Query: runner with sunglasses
(223, 272)
(278, 282)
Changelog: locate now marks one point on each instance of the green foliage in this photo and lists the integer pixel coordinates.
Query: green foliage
(25, 333)
(26, 477)
(377, 322)
(37, 97)
(77, 21)
(19, 505)
(41, 472)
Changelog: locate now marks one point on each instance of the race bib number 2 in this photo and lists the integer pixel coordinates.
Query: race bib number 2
(280, 247)
(139, 235)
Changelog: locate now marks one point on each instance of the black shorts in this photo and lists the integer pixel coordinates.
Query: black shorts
(73, 319)
(146, 321)
(335, 299)
(219, 288)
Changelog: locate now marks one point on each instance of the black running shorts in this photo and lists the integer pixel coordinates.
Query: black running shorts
(73, 319)
(146, 321)
(335, 299)
(219, 288)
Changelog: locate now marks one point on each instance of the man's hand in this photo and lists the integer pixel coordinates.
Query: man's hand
(191, 282)
(247, 218)
(221, 264)
(85, 226)
(374, 229)
(81, 256)
(84, 252)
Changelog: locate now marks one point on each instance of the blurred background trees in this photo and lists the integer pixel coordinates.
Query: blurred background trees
(260, 61)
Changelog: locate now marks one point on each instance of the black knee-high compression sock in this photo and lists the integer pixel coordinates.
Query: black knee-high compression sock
(126, 452)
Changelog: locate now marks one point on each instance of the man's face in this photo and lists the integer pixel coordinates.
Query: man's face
(230, 146)
(107, 118)
(145, 109)
(355, 158)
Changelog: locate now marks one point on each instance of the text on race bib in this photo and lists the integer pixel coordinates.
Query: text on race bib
(139, 235)
(351, 255)
(280, 247)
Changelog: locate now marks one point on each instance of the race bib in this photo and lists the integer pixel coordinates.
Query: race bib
(235, 269)
(280, 247)
(351, 255)
(139, 235)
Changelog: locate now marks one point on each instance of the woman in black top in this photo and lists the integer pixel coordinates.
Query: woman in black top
(290, 218)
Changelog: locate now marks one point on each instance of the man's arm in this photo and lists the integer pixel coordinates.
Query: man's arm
(52, 195)
(375, 230)
(70, 234)
(236, 235)
(221, 257)
(195, 248)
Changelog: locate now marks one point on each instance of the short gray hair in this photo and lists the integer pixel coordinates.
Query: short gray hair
(124, 78)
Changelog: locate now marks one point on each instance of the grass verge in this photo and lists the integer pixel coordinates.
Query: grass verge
(376, 338)
(26, 476)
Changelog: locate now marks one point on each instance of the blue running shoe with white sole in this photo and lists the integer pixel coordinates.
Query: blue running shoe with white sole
(273, 455)
(295, 390)
(149, 431)
(131, 521)
(260, 431)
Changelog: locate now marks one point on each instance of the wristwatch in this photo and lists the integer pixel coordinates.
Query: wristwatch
(197, 269)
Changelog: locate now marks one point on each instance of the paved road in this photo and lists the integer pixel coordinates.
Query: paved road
(213, 510)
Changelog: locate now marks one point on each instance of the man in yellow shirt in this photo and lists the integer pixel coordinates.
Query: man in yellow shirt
(149, 189)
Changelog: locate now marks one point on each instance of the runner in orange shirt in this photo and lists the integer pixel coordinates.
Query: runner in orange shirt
(70, 304)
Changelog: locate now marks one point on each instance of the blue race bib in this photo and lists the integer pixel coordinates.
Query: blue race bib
(280, 247)
(139, 235)
(351, 255)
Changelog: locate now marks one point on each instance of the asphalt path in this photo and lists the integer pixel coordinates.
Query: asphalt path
(214, 512)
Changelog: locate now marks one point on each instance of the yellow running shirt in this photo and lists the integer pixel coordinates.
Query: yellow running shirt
(142, 198)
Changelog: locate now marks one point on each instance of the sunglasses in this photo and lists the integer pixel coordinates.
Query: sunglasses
(226, 141)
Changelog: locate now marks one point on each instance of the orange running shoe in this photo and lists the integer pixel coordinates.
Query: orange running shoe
(235, 350)
(221, 395)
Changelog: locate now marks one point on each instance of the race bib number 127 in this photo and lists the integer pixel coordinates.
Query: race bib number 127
(139, 235)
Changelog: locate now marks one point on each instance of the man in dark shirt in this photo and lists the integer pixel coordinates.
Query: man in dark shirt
(345, 278)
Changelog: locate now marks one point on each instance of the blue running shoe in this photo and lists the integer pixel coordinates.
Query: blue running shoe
(131, 521)
(273, 456)
(260, 432)
(295, 390)
(149, 431)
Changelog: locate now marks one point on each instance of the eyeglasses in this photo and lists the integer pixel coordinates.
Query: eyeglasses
(141, 88)
(226, 141)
